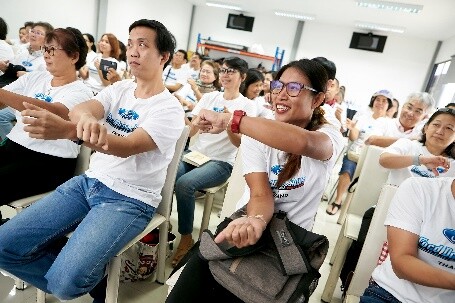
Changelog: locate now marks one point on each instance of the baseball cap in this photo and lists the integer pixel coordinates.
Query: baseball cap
(385, 93)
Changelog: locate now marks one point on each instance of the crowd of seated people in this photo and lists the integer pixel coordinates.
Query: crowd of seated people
(417, 141)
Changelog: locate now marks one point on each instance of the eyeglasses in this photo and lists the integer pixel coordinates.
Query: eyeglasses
(292, 88)
(37, 33)
(229, 71)
(50, 50)
(206, 71)
(447, 110)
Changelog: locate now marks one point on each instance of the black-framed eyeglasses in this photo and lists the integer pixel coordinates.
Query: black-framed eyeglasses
(292, 88)
(447, 110)
(229, 71)
(50, 49)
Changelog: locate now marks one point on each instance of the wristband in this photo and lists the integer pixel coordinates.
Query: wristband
(236, 118)
(260, 217)
(416, 160)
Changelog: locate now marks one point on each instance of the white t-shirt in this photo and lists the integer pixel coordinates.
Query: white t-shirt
(6, 51)
(38, 85)
(330, 116)
(424, 207)
(366, 125)
(94, 81)
(218, 146)
(31, 62)
(392, 128)
(173, 76)
(139, 176)
(300, 196)
(261, 108)
(405, 146)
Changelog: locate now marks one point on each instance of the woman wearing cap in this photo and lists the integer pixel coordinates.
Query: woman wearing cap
(359, 129)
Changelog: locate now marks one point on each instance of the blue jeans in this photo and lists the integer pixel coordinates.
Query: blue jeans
(6, 117)
(376, 294)
(191, 179)
(103, 222)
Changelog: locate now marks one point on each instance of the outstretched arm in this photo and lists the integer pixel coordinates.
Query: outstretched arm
(403, 253)
(283, 136)
(16, 101)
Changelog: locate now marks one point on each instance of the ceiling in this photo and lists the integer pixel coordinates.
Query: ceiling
(435, 22)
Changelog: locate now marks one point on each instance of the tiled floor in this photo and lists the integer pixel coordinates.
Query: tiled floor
(152, 292)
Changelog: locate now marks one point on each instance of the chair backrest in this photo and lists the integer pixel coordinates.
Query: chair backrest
(167, 193)
(376, 236)
(83, 160)
(235, 187)
(371, 179)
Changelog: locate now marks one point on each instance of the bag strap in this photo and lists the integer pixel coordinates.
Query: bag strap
(354, 182)
(293, 260)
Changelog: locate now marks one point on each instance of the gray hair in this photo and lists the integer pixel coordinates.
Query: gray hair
(424, 98)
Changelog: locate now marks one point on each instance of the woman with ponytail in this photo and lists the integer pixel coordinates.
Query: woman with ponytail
(286, 163)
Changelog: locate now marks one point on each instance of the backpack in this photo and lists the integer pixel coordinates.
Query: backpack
(282, 267)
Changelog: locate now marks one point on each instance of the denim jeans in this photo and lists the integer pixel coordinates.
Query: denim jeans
(191, 179)
(376, 294)
(103, 222)
(6, 117)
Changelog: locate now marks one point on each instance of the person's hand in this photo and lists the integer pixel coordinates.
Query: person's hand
(97, 63)
(209, 121)
(338, 112)
(83, 72)
(437, 164)
(42, 124)
(20, 73)
(90, 130)
(350, 124)
(4, 65)
(192, 83)
(113, 76)
(242, 232)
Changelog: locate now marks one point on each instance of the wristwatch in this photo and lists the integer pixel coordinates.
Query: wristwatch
(235, 124)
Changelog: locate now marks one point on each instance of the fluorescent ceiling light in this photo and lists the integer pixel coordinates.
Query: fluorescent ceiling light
(393, 6)
(380, 27)
(296, 15)
(224, 5)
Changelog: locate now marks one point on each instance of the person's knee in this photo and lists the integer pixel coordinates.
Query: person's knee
(184, 185)
(65, 286)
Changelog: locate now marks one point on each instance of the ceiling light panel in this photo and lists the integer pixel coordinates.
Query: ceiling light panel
(296, 15)
(224, 5)
(380, 27)
(393, 6)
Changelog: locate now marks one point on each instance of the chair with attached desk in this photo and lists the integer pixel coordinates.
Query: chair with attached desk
(371, 179)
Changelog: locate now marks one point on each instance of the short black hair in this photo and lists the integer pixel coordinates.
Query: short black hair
(92, 40)
(165, 40)
(3, 29)
(328, 65)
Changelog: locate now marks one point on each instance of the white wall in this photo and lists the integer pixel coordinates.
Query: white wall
(81, 14)
(174, 14)
(401, 68)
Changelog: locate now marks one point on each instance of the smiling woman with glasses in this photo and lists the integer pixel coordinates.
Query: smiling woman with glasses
(221, 148)
(280, 158)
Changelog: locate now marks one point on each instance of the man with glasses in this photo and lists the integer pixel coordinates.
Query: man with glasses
(409, 124)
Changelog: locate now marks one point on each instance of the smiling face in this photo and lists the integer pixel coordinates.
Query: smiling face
(380, 105)
(440, 131)
(206, 74)
(254, 89)
(104, 46)
(230, 78)
(412, 113)
(142, 54)
(295, 110)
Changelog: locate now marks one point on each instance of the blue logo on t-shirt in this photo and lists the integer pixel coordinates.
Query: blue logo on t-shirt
(26, 63)
(449, 234)
(44, 97)
(128, 114)
(218, 109)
